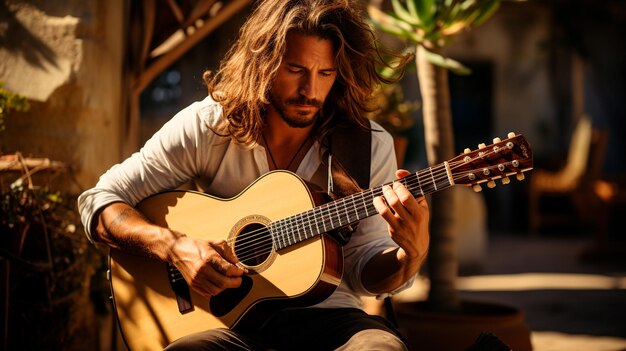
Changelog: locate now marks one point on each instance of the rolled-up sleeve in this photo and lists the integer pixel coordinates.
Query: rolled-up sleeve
(170, 158)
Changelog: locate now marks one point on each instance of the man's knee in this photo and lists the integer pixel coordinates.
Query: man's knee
(210, 340)
(374, 339)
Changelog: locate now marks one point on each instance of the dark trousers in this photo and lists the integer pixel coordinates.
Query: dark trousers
(303, 329)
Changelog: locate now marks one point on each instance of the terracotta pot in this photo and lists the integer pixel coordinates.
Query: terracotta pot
(456, 331)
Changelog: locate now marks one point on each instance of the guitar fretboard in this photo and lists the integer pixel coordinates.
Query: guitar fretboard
(351, 209)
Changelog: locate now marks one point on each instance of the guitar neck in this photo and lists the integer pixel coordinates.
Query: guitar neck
(503, 158)
(353, 208)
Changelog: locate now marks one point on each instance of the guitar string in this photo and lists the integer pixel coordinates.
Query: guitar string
(262, 250)
(322, 209)
(326, 210)
(303, 223)
(306, 221)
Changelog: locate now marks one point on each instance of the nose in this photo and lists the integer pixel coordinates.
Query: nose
(308, 86)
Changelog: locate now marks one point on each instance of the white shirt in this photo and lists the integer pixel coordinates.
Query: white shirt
(186, 148)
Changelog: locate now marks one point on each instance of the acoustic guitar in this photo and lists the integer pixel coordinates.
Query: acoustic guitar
(279, 233)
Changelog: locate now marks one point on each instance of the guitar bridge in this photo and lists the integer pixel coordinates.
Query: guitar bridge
(180, 288)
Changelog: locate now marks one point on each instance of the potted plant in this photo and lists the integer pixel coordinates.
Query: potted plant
(438, 322)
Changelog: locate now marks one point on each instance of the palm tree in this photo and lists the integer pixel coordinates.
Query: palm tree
(430, 25)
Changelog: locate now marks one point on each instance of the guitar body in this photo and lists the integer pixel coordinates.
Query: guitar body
(152, 311)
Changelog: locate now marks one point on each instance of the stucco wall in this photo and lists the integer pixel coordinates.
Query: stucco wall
(514, 40)
(66, 58)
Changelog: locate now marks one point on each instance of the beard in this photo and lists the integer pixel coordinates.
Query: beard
(296, 119)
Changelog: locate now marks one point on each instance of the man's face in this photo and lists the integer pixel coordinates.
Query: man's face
(304, 79)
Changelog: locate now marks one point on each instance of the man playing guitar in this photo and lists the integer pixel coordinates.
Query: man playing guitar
(299, 69)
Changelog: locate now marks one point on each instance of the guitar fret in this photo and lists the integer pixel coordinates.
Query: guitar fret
(365, 205)
(309, 234)
(301, 226)
(316, 222)
(346, 211)
(349, 210)
(419, 183)
(283, 239)
(356, 211)
(291, 234)
(324, 224)
(287, 236)
(433, 178)
(338, 215)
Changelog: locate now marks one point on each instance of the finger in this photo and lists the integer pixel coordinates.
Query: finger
(405, 198)
(401, 173)
(217, 282)
(229, 261)
(224, 267)
(400, 200)
(213, 277)
(383, 209)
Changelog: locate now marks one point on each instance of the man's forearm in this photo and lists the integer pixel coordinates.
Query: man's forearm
(388, 270)
(123, 227)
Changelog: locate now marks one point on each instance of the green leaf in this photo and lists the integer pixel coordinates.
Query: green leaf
(55, 197)
(392, 25)
(404, 15)
(487, 9)
(410, 4)
(426, 10)
(447, 63)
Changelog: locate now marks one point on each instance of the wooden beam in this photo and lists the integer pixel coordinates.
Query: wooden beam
(164, 61)
(15, 163)
(178, 13)
(201, 9)
(149, 18)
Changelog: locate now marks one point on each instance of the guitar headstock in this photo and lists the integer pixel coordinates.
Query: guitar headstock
(500, 160)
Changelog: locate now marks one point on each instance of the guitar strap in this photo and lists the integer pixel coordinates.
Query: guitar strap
(351, 150)
(348, 158)
(351, 147)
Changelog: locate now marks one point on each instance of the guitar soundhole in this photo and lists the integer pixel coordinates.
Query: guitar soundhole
(253, 245)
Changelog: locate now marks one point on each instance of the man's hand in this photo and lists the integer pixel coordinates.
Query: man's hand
(407, 218)
(209, 267)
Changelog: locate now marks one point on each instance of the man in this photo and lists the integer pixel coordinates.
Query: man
(298, 69)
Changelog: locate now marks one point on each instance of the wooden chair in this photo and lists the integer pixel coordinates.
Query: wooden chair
(573, 181)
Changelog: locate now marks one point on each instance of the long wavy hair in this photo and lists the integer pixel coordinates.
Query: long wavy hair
(243, 82)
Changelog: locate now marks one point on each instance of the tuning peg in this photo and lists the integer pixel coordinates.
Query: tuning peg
(482, 146)
(506, 180)
(511, 135)
(477, 188)
(520, 176)
(491, 184)
(496, 140)
(467, 150)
